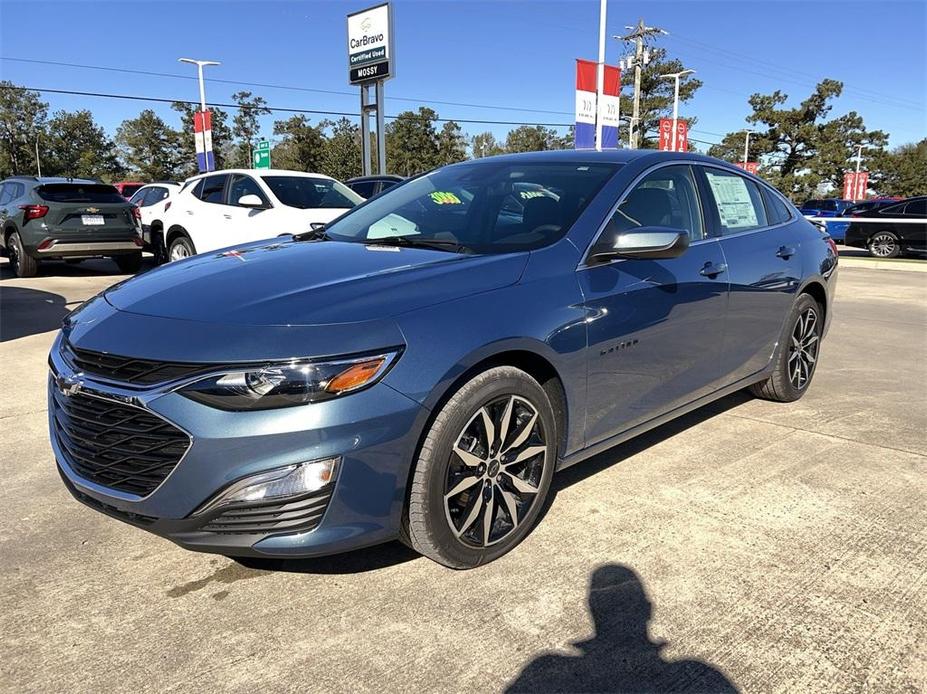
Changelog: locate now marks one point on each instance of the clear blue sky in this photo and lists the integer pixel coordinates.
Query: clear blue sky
(503, 54)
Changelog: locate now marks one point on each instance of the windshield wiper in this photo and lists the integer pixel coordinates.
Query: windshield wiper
(417, 242)
(316, 233)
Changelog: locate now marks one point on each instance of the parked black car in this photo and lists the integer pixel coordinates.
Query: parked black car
(66, 218)
(897, 229)
(368, 186)
(867, 205)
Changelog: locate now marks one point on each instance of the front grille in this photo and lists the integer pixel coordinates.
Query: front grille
(129, 369)
(117, 445)
(293, 516)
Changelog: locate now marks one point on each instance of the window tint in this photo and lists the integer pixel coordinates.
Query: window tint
(244, 185)
(139, 198)
(776, 208)
(737, 200)
(212, 189)
(306, 192)
(386, 184)
(79, 193)
(666, 197)
(6, 193)
(364, 188)
(19, 189)
(918, 208)
(473, 205)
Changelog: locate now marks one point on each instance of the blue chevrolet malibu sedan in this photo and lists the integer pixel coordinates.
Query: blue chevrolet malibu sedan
(422, 366)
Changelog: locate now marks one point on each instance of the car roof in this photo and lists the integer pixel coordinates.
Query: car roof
(610, 156)
(376, 177)
(54, 179)
(262, 172)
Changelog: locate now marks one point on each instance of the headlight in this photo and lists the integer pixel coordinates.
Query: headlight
(282, 483)
(288, 384)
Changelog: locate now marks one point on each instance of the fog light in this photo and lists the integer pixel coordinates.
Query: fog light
(290, 481)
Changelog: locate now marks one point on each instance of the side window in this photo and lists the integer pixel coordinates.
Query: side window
(197, 191)
(776, 209)
(666, 197)
(917, 208)
(6, 193)
(213, 189)
(244, 185)
(738, 201)
(19, 190)
(366, 189)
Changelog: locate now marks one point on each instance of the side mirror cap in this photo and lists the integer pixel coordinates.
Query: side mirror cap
(250, 200)
(649, 242)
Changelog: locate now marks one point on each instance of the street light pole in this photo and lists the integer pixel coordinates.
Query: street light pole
(200, 64)
(859, 159)
(747, 131)
(676, 76)
(600, 76)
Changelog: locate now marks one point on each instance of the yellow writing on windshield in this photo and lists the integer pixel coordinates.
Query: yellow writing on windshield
(444, 198)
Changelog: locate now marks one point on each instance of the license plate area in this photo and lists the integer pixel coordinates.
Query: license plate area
(92, 220)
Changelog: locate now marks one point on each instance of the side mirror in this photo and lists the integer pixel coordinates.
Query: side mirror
(251, 200)
(652, 243)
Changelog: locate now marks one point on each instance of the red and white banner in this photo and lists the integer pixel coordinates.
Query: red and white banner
(202, 132)
(588, 107)
(666, 135)
(749, 167)
(855, 185)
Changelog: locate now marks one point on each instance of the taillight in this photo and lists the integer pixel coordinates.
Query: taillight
(833, 246)
(33, 211)
(136, 212)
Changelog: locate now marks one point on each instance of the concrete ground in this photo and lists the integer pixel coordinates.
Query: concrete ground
(750, 546)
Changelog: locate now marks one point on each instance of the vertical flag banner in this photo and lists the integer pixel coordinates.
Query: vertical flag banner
(855, 185)
(849, 185)
(202, 132)
(666, 134)
(862, 184)
(609, 110)
(584, 132)
(682, 136)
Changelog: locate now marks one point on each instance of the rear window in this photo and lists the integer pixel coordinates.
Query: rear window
(79, 193)
(304, 192)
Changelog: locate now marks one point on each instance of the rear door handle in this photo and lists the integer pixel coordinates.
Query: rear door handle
(712, 270)
(785, 252)
(227, 216)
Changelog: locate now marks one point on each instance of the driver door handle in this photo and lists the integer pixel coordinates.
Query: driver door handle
(785, 252)
(711, 270)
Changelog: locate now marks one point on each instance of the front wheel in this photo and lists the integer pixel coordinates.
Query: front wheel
(884, 244)
(484, 470)
(796, 356)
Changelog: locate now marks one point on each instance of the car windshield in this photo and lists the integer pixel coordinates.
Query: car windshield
(79, 192)
(307, 192)
(482, 207)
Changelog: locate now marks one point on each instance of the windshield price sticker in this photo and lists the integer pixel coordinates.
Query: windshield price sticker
(443, 198)
(735, 207)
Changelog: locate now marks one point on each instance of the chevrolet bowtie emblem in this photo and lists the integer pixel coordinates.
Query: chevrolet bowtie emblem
(68, 385)
(92, 210)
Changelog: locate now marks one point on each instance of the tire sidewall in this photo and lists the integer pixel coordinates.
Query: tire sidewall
(804, 302)
(435, 459)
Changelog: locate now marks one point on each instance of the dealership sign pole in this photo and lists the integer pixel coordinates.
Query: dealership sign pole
(202, 120)
(590, 111)
(371, 62)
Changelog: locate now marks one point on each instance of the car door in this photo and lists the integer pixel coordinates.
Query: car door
(913, 230)
(655, 327)
(245, 224)
(204, 216)
(764, 267)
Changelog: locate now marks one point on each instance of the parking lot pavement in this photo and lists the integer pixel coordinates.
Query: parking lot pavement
(752, 545)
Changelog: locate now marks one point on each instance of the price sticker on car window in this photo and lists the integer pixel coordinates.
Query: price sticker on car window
(445, 198)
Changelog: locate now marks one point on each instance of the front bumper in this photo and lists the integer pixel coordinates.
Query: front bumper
(374, 432)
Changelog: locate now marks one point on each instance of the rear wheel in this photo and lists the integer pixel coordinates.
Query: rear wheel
(129, 264)
(797, 354)
(23, 265)
(181, 247)
(884, 244)
(484, 470)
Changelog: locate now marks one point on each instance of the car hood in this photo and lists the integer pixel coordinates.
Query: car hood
(310, 283)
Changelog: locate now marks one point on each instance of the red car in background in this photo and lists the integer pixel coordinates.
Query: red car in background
(128, 188)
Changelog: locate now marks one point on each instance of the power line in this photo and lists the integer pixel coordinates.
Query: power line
(150, 73)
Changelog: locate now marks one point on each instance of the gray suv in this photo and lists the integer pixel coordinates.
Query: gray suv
(66, 218)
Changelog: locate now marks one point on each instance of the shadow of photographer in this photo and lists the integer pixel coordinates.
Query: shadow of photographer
(620, 657)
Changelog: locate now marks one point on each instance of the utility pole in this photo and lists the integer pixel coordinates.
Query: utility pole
(637, 35)
(675, 76)
(747, 132)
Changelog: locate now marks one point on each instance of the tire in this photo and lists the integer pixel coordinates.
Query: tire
(129, 264)
(796, 355)
(452, 529)
(23, 265)
(181, 247)
(884, 244)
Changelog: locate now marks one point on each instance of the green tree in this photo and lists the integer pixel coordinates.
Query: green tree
(246, 126)
(150, 148)
(657, 94)
(485, 145)
(901, 171)
(452, 144)
(186, 143)
(342, 154)
(532, 138)
(302, 147)
(76, 146)
(412, 142)
(22, 119)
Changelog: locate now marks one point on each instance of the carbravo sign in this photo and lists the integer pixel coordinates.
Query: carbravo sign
(369, 44)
